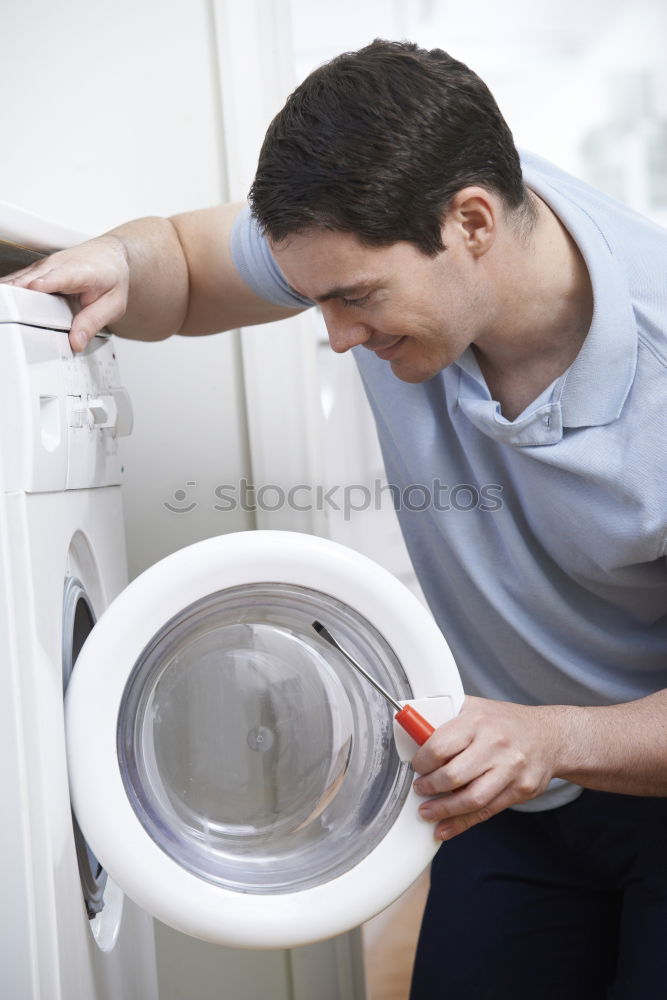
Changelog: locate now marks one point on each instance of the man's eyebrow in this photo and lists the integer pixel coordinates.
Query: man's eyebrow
(345, 291)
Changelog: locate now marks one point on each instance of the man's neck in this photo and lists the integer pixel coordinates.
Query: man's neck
(545, 307)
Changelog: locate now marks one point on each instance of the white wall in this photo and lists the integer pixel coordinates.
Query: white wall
(108, 110)
(557, 70)
(112, 111)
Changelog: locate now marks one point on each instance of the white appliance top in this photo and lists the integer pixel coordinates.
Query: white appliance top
(21, 305)
(17, 225)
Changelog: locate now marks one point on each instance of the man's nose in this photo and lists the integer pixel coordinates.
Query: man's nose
(344, 333)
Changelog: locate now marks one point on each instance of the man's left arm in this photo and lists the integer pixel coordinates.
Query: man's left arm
(496, 754)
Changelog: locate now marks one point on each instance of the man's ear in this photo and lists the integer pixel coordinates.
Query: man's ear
(473, 213)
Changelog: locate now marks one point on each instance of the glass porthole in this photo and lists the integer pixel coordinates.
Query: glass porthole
(250, 751)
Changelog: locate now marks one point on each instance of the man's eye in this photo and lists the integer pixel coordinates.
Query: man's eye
(356, 302)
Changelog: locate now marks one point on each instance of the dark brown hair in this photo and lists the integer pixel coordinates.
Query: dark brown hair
(377, 142)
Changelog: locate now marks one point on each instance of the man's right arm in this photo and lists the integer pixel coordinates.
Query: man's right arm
(154, 277)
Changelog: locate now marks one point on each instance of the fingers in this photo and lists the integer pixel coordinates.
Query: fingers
(95, 273)
(45, 282)
(489, 757)
(40, 274)
(455, 773)
(468, 798)
(83, 330)
(446, 742)
(65, 275)
(95, 317)
(460, 780)
(452, 826)
(16, 277)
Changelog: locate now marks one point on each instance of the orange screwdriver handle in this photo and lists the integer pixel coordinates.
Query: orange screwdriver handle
(414, 724)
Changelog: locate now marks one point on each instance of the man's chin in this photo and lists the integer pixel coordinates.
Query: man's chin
(406, 373)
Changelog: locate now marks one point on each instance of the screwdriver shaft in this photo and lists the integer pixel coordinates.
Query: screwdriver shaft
(327, 636)
(411, 721)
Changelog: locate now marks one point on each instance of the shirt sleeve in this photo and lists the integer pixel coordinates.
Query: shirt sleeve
(257, 267)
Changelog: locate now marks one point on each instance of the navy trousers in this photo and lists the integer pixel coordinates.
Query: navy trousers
(568, 904)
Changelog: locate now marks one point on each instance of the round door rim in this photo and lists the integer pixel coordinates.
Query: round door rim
(133, 860)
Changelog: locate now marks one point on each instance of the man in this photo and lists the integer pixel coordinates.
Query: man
(509, 325)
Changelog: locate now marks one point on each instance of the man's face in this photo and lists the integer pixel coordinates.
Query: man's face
(416, 312)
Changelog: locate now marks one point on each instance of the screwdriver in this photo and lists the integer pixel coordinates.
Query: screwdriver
(407, 717)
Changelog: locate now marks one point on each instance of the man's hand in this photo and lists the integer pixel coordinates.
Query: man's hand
(96, 272)
(154, 277)
(494, 754)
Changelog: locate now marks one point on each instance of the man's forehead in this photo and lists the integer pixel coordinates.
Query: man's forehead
(331, 265)
(316, 242)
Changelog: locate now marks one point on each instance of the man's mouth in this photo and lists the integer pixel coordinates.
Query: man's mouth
(387, 352)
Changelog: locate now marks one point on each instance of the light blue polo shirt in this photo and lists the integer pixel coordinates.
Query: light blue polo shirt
(540, 542)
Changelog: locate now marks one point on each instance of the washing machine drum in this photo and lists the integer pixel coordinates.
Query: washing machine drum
(231, 771)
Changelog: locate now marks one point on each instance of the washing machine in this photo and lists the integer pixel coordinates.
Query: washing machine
(67, 931)
(229, 772)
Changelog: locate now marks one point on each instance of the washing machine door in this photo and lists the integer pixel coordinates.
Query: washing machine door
(229, 769)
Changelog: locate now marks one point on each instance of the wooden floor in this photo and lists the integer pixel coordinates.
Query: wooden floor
(390, 940)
